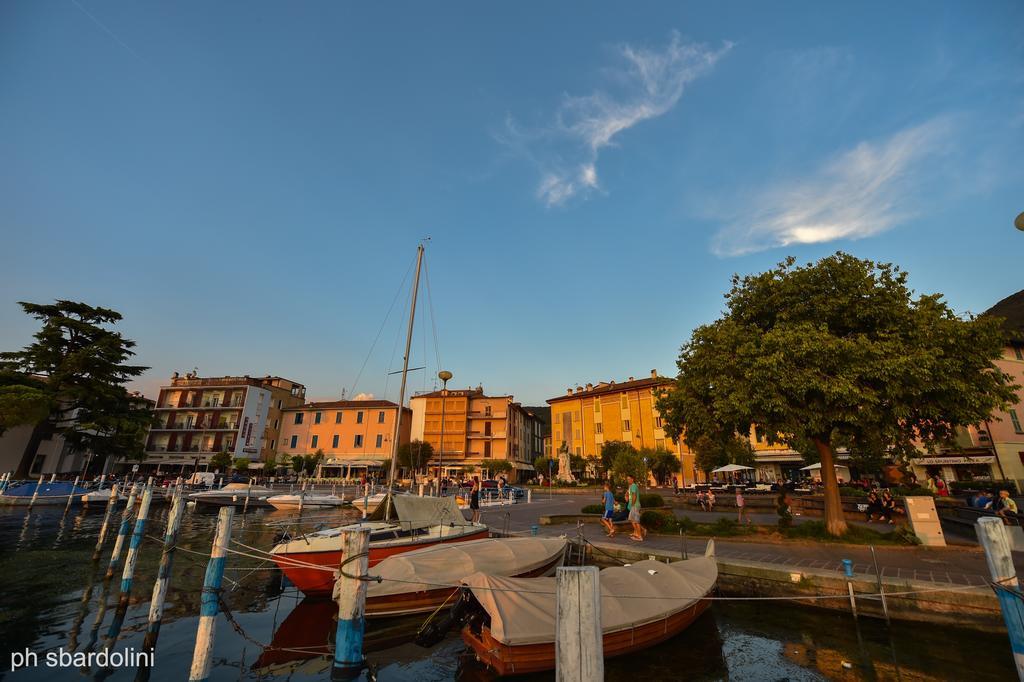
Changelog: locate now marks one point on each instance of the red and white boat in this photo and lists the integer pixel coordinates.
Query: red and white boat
(309, 561)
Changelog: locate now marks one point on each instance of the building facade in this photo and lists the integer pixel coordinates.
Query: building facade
(478, 430)
(587, 417)
(350, 433)
(199, 417)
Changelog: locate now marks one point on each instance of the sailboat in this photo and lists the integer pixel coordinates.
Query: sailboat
(401, 523)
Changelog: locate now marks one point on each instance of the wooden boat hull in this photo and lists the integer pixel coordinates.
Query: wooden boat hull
(317, 582)
(532, 658)
(428, 601)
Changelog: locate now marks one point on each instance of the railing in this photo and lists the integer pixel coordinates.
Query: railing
(196, 427)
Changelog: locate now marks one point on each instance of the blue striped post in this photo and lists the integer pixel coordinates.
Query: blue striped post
(106, 522)
(36, 493)
(163, 578)
(133, 547)
(74, 486)
(202, 655)
(5, 481)
(122, 532)
(351, 597)
(996, 542)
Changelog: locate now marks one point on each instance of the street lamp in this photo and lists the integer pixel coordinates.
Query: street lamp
(444, 375)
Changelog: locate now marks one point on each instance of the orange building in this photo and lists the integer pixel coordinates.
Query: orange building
(351, 433)
(478, 429)
(586, 418)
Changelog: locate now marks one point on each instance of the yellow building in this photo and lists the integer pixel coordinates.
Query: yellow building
(478, 430)
(587, 417)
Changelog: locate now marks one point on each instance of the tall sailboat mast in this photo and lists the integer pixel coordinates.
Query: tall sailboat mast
(405, 373)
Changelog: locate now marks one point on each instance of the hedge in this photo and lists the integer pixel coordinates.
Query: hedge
(975, 486)
(593, 509)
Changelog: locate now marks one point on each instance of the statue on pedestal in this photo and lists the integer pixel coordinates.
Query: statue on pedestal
(564, 471)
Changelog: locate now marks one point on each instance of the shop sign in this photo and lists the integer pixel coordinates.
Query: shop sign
(934, 461)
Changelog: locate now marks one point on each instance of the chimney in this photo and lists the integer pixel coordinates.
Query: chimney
(568, 391)
(630, 379)
(590, 387)
(654, 374)
(579, 389)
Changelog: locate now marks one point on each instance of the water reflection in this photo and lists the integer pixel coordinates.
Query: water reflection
(54, 592)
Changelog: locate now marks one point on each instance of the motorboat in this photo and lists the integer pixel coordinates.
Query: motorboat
(426, 579)
(367, 503)
(53, 493)
(404, 524)
(306, 501)
(511, 621)
(234, 494)
(101, 496)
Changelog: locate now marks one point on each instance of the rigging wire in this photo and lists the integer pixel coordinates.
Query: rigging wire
(394, 350)
(433, 320)
(381, 329)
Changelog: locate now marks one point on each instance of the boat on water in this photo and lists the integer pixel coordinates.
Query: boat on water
(406, 523)
(234, 494)
(53, 493)
(368, 503)
(511, 621)
(414, 582)
(306, 501)
(101, 496)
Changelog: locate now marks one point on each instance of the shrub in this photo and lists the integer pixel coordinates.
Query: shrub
(686, 524)
(958, 487)
(593, 509)
(847, 491)
(724, 526)
(651, 500)
(620, 498)
(655, 520)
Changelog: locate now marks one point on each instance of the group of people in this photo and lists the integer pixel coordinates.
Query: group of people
(1003, 505)
(706, 500)
(632, 505)
(882, 505)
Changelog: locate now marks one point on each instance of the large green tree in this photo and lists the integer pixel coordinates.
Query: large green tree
(662, 464)
(629, 464)
(221, 461)
(77, 368)
(612, 449)
(415, 454)
(838, 349)
(713, 451)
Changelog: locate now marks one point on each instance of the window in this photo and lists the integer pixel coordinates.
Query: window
(316, 418)
(359, 417)
(657, 422)
(298, 417)
(625, 425)
(597, 406)
(358, 440)
(625, 403)
(487, 410)
(295, 441)
(380, 418)
(276, 424)
(273, 443)
(1016, 422)
(312, 442)
(659, 444)
(337, 417)
(334, 442)
(279, 404)
(380, 440)
(598, 428)
(1018, 353)
(487, 450)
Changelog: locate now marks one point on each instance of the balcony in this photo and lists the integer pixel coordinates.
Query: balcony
(194, 449)
(196, 427)
(477, 434)
(484, 415)
(199, 405)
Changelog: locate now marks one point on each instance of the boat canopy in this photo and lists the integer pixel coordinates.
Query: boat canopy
(522, 610)
(440, 565)
(414, 512)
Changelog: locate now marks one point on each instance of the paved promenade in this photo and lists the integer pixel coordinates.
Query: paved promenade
(960, 565)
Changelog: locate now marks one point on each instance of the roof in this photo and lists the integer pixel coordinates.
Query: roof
(460, 393)
(612, 387)
(1012, 309)
(343, 404)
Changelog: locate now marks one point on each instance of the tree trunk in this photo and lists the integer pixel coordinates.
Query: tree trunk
(835, 522)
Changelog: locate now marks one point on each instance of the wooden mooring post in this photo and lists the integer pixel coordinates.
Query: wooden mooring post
(128, 575)
(350, 593)
(579, 647)
(996, 543)
(72, 495)
(35, 494)
(202, 656)
(163, 580)
(106, 522)
(122, 532)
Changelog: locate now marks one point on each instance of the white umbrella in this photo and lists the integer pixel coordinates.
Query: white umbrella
(730, 468)
(818, 466)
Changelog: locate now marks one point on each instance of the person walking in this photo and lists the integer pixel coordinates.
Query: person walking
(474, 500)
(633, 503)
(741, 506)
(609, 509)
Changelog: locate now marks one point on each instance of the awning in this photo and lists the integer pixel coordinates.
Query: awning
(815, 467)
(730, 468)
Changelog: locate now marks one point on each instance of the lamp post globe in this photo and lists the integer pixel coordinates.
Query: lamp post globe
(1019, 222)
(444, 375)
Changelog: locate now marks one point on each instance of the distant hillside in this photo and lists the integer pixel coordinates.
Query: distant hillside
(543, 413)
(1012, 308)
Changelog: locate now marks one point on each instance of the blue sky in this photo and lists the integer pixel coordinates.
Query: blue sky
(246, 182)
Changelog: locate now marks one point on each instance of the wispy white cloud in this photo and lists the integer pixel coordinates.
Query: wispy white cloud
(647, 84)
(863, 191)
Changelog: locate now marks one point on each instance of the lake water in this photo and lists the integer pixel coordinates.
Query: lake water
(54, 598)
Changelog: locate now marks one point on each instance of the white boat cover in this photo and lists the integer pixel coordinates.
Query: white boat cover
(433, 567)
(413, 512)
(522, 610)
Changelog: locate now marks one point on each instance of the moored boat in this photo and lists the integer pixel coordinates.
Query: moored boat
(234, 494)
(310, 560)
(641, 605)
(425, 579)
(48, 494)
(306, 501)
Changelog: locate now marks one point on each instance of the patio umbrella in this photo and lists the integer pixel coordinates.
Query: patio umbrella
(731, 468)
